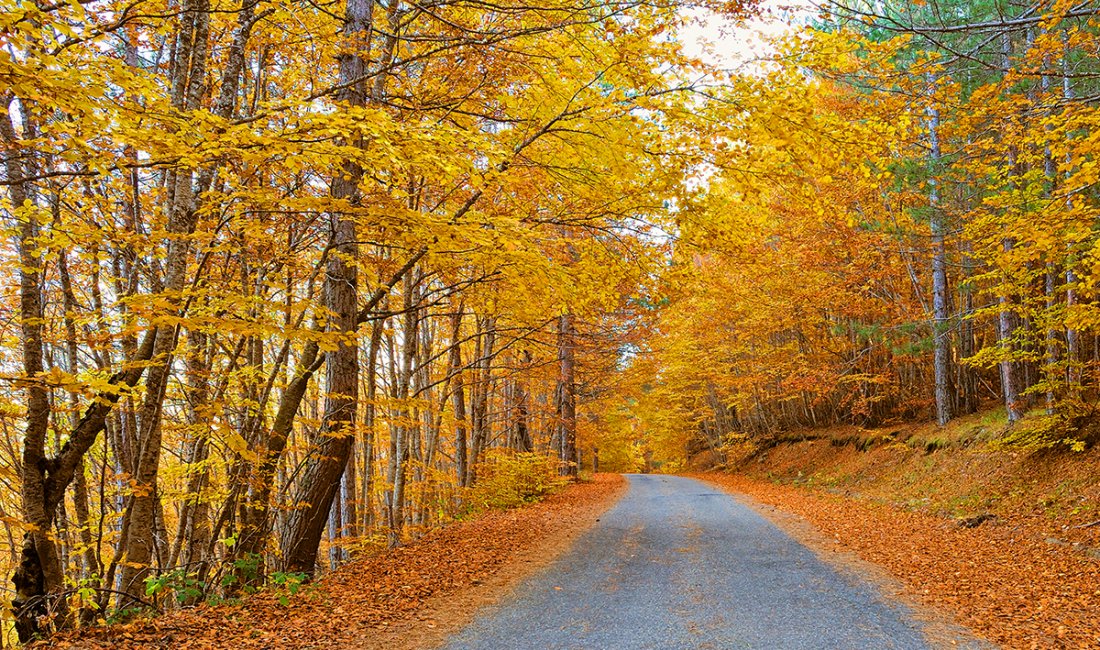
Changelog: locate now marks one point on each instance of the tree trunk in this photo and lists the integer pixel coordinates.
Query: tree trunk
(458, 393)
(188, 77)
(480, 397)
(567, 405)
(1005, 316)
(1073, 339)
(39, 572)
(322, 478)
(941, 316)
(405, 428)
(369, 426)
(521, 433)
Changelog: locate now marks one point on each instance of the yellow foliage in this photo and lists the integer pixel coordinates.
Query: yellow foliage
(508, 479)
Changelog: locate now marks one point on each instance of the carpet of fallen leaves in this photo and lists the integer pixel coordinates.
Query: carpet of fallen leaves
(366, 597)
(1006, 581)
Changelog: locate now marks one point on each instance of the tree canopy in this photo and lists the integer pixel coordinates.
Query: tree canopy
(290, 280)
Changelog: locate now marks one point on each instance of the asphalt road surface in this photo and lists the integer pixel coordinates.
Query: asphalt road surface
(679, 564)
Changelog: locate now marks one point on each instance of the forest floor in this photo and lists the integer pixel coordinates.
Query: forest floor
(1007, 541)
(413, 596)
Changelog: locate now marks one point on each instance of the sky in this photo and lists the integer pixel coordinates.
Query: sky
(723, 42)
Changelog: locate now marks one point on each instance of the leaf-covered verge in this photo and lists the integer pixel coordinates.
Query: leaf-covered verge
(1007, 541)
(418, 591)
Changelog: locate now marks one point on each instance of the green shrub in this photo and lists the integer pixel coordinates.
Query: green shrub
(287, 585)
(182, 585)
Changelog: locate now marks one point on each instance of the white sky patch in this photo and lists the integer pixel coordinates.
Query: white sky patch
(734, 45)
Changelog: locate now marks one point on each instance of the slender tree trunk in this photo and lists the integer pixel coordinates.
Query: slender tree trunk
(1006, 317)
(458, 393)
(405, 430)
(1050, 373)
(567, 406)
(188, 77)
(349, 496)
(967, 383)
(941, 316)
(1073, 339)
(335, 523)
(369, 425)
(480, 390)
(89, 559)
(39, 572)
(522, 434)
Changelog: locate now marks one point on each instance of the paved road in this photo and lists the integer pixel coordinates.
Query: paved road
(678, 564)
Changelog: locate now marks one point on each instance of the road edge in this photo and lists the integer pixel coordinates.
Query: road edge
(444, 615)
(939, 628)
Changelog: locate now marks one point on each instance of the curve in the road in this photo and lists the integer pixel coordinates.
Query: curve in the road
(679, 564)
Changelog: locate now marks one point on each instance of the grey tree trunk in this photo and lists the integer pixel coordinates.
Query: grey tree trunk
(39, 572)
(1073, 339)
(521, 432)
(567, 403)
(405, 428)
(966, 384)
(194, 527)
(369, 425)
(1006, 317)
(458, 393)
(188, 77)
(89, 559)
(479, 395)
(941, 313)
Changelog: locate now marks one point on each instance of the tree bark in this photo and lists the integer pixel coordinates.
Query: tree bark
(567, 405)
(1073, 338)
(479, 395)
(39, 572)
(322, 477)
(521, 432)
(188, 77)
(458, 397)
(1005, 317)
(369, 425)
(941, 315)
